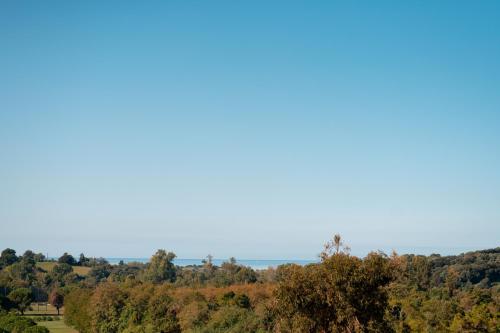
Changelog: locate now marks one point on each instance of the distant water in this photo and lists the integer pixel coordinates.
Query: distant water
(266, 263)
(253, 263)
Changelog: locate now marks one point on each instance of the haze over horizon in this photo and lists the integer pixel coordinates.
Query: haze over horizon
(249, 129)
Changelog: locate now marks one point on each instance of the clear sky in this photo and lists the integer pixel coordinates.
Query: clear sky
(249, 128)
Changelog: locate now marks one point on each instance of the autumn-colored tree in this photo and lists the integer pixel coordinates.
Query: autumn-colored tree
(106, 306)
(135, 312)
(56, 298)
(341, 294)
(421, 272)
(452, 279)
(195, 312)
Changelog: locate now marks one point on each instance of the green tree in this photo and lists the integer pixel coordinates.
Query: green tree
(163, 313)
(8, 257)
(100, 272)
(6, 304)
(421, 269)
(83, 261)
(22, 271)
(161, 268)
(22, 298)
(39, 257)
(67, 259)
(135, 312)
(59, 275)
(28, 256)
(480, 319)
(242, 301)
(77, 309)
(233, 319)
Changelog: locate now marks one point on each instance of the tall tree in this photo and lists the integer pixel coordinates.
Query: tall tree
(8, 257)
(77, 309)
(161, 267)
(83, 261)
(106, 307)
(341, 294)
(56, 298)
(334, 246)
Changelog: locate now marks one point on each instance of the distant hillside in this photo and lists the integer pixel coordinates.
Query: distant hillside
(477, 267)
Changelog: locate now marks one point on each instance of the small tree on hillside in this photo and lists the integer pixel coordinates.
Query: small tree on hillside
(83, 261)
(8, 257)
(22, 298)
(39, 257)
(56, 299)
(67, 259)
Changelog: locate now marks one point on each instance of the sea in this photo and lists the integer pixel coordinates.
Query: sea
(273, 263)
(253, 263)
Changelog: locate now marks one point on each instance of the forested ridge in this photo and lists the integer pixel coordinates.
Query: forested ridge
(340, 293)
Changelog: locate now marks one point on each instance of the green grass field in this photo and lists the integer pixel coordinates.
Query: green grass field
(43, 310)
(46, 265)
(57, 326)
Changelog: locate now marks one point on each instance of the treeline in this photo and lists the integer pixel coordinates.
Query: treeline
(447, 293)
(84, 261)
(341, 293)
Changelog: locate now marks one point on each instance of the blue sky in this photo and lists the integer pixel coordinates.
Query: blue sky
(249, 128)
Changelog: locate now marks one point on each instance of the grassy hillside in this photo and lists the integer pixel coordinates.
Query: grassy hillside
(46, 265)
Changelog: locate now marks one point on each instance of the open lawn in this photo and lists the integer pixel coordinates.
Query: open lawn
(48, 265)
(43, 309)
(57, 326)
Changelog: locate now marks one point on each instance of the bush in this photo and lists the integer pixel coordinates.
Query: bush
(16, 324)
(232, 319)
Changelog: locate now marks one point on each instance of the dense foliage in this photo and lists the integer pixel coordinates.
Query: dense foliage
(10, 323)
(341, 293)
